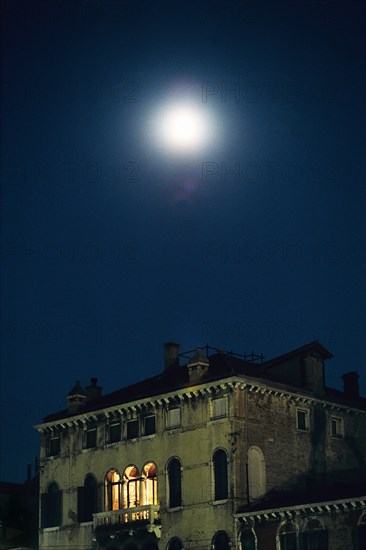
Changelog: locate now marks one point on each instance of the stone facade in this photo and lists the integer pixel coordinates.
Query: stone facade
(180, 460)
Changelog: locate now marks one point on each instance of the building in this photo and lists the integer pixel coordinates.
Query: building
(221, 451)
(19, 514)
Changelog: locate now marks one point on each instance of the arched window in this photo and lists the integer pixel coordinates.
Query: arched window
(256, 473)
(287, 535)
(149, 485)
(314, 537)
(220, 475)
(175, 544)
(247, 539)
(361, 533)
(220, 541)
(113, 490)
(87, 499)
(51, 506)
(174, 483)
(131, 487)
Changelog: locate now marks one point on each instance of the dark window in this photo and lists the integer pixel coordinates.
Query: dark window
(175, 544)
(337, 427)
(54, 446)
(149, 425)
(302, 419)
(247, 540)
(51, 507)
(221, 541)
(91, 437)
(288, 541)
(87, 499)
(175, 483)
(115, 432)
(220, 475)
(361, 537)
(315, 540)
(132, 429)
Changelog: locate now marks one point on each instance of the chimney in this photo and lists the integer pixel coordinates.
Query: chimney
(197, 367)
(313, 372)
(171, 355)
(350, 384)
(92, 391)
(76, 398)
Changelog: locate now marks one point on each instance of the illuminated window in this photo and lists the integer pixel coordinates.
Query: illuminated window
(221, 541)
(219, 407)
(113, 490)
(174, 483)
(173, 418)
(114, 432)
(220, 475)
(149, 485)
(337, 426)
(132, 429)
(302, 416)
(149, 425)
(51, 507)
(54, 446)
(87, 499)
(131, 487)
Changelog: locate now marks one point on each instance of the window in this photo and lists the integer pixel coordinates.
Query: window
(132, 429)
(314, 537)
(174, 483)
(219, 407)
(131, 487)
(360, 534)
(256, 473)
(302, 416)
(87, 499)
(149, 425)
(288, 536)
(175, 544)
(54, 446)
(247, 539)
(220, 475)
(173, 418)
(91, 436)
(149, 485)
(220, 541)
(337, 426)
(114, 432)
(113, 490)
(51, 507)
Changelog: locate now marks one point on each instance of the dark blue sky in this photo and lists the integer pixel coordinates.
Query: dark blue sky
(111, 246)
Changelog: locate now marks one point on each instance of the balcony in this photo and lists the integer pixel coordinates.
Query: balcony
(130, 519)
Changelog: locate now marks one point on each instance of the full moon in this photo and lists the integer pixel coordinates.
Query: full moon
(182, 128)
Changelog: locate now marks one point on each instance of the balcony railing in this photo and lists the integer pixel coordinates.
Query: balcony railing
(149, 514)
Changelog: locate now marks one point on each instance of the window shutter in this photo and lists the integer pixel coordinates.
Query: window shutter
(58, 511)
(81, 504)
(44, 509)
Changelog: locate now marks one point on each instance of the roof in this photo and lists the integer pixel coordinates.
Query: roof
(320, 494)
(221, 365)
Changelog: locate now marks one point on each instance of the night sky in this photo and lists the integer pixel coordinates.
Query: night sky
(112, 244)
